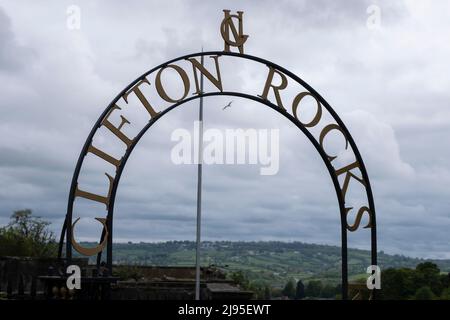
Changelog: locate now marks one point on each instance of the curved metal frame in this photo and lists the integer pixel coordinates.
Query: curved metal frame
(67, 227)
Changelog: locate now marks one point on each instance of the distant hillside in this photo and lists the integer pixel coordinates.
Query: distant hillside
(272, 262)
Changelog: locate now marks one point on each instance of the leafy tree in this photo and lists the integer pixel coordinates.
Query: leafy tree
(313, 288)
(428, 274)
(258, 288)
(397, 284)
(424, 293)
(300, 291)
(289, 289)
(267, 293)
(338, 290)
(240, 278)
(427, 268)
(328, 291)
(26, 235)
(445, 280)
(400, 284)
(445, 295)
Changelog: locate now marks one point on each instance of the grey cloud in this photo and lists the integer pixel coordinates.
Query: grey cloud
(13, 56)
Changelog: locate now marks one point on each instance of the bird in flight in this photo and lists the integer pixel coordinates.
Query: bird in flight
(228, 105)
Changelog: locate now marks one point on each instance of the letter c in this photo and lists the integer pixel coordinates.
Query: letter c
(90, 251)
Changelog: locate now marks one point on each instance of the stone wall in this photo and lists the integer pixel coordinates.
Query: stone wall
(176, 283)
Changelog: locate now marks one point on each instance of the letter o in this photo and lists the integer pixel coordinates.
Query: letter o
(318, 115)
(162, 93)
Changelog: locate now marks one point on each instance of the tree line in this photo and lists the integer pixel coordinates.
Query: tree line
(425, 282)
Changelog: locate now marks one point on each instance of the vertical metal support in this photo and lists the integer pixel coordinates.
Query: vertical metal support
(68, 224)
(373, 237)
(109, 223)
(344, 258)
(61, 239)
(199, 192)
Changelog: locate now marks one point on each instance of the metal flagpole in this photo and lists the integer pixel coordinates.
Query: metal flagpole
(199, 190)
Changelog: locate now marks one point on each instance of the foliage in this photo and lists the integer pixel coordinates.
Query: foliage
(260, 289)
(424, 293)
(128, 272)
(313, 288)
(397, 283)
(26, 235)
(445, 295)
(289, 289)
(328, 291)
(267, 293)
(300, 290)
(240, 278)
(428, 275)
(422, 283)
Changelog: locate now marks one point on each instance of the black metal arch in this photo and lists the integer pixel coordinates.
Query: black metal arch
(67, 226)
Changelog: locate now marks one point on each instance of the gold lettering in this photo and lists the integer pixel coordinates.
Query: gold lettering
(348, 176)
(116, 130)
(96, 197)
(318, 115)
(239, 37)
(323, 134)
(358, 218)
(276, 88)
(162, 93)
(90, 251)
(215, 81)
(141, 98)
(104, 156)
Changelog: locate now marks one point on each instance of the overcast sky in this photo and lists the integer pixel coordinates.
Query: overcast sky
(388, 79)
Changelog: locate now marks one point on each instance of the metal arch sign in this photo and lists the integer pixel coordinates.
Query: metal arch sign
(188, 69)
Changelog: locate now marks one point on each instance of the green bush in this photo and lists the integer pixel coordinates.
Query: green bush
(27, 236)
(424, 293)
(423, 283)
(289, 289)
